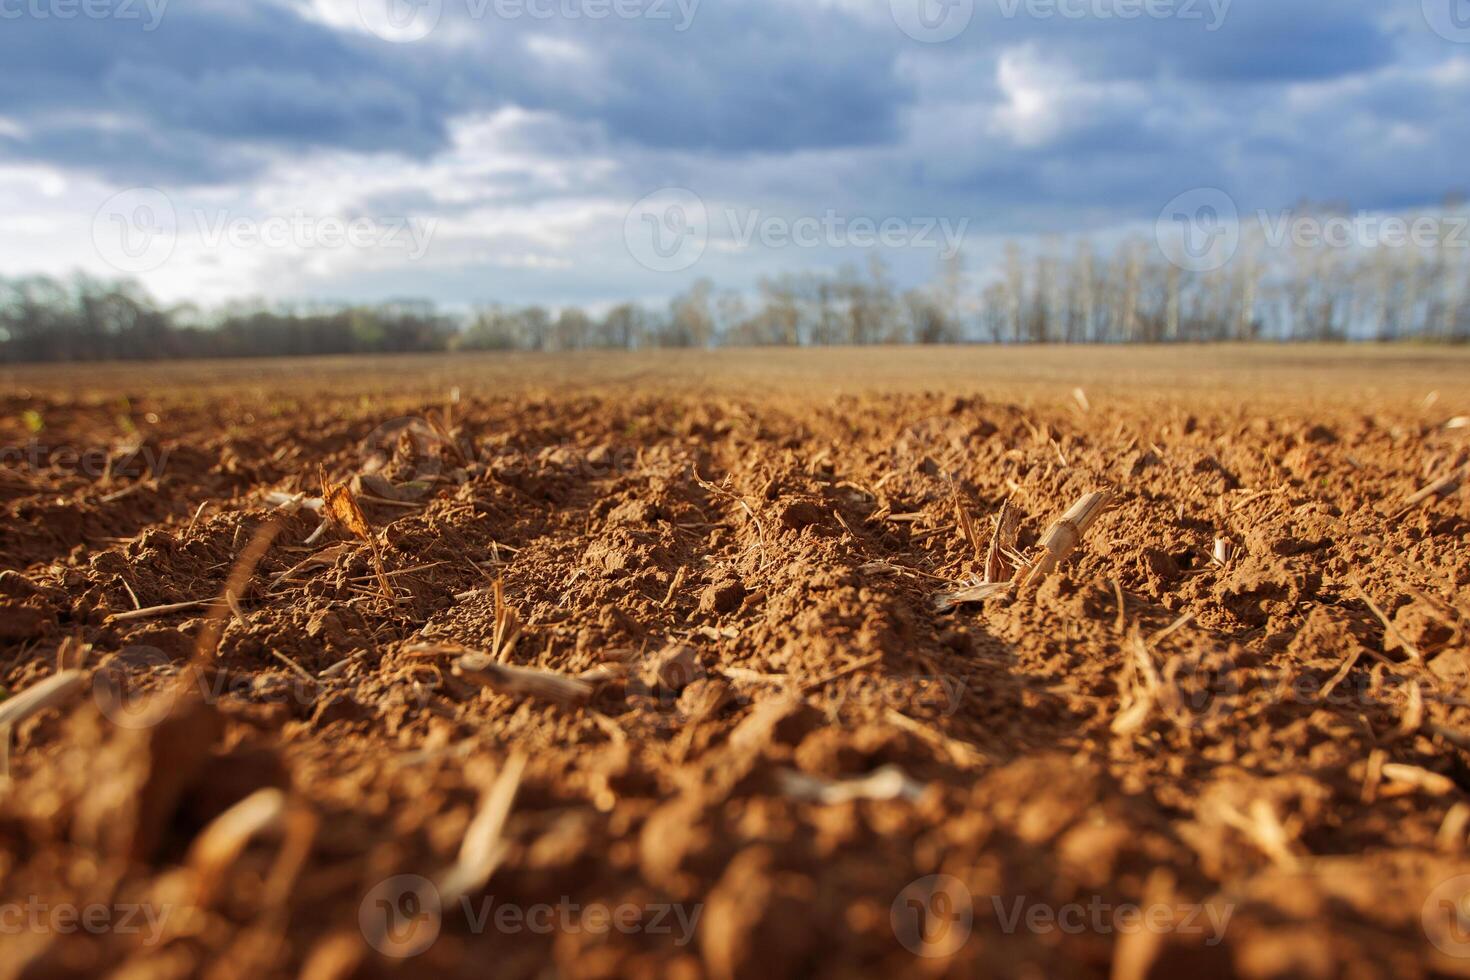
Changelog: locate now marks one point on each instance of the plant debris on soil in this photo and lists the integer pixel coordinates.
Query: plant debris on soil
(753, 673)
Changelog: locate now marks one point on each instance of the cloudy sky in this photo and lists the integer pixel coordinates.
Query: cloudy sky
(588, 151)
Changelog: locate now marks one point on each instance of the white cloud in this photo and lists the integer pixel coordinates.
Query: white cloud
(1044, 99)
(489, 199)
(557, 51)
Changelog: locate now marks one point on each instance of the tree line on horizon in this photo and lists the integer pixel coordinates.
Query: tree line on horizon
(1060, 291)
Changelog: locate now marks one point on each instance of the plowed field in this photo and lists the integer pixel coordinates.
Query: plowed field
(727, 665)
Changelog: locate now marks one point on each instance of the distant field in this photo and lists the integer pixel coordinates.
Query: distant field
(1338, 372)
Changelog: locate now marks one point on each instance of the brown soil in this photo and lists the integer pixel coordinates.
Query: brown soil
(748, 584)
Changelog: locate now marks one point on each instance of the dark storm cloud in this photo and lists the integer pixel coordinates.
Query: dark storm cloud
(753, 78)
(1230, 41)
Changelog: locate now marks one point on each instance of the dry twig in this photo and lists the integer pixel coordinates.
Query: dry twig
(164, 610)
(53, 692)
(1410, 779)
(342, 507)
(1063, 537)
(1443, 485)
(885, 783)
(999, 556)
(484, 846)
(526, 681)
(240, 575)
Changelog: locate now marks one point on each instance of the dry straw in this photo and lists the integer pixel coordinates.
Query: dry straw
(1063, 537)
(1005, 569)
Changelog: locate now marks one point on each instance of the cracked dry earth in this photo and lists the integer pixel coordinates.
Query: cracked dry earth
(1227, 736)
